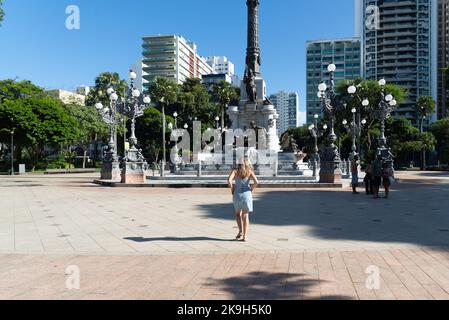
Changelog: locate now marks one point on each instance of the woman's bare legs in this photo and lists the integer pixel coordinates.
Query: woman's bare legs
(245, 218)
(238, 216)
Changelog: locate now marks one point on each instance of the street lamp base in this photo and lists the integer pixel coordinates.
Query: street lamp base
(330, 172)
(134, 173)
(111, 171)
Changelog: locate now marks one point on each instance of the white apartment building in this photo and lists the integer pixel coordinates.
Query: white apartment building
(172, 57)
(287, 105)
(221, 65)
(140, 80)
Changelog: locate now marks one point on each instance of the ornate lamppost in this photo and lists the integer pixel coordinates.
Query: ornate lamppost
(355, 129)
(316, 133)
(111, 167)
(134, 164)
(386, 107)
(330, 171)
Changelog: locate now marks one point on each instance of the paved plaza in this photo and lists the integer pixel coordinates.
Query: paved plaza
(178, 243)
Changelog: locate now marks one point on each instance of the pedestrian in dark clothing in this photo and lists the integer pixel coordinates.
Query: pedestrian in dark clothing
(377, 176)
(369, 178)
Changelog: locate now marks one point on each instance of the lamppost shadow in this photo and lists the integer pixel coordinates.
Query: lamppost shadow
(176, 239)
(273, 286)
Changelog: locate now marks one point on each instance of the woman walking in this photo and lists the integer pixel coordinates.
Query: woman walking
(242, 192)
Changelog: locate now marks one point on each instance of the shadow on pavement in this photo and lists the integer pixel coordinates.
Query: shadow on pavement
(272, 286)
(176, 239)
(415, 214)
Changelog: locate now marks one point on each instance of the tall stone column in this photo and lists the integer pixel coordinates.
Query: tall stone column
(253, 50)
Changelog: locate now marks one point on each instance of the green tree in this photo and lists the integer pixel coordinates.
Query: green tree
(424, 108)
(370, 90)
(440, 130)
(38, 122)
(90, 128)
(103, 82)
(148, 129)
(2, 12)
(224, 94)
(163, 92)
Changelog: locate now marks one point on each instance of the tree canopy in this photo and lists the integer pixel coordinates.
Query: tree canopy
(2, 12)
(103, 82)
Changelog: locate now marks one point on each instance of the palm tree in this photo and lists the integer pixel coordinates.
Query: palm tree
(424, 108)
(163, 92)
(224, 93)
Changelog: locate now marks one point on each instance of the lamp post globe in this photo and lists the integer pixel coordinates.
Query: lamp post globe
(332, 67)
(352, 90)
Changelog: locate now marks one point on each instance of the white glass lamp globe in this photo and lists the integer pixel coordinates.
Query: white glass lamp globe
(99, 106)
(114, 97)
(147, 100)
(110, 91)
(389, 98)
(132, 75)
(352, 90)
(186, 126)
(345, 122)
(382, 82)
(325, 127)
(312, 127)
(354, 110)
(217, 119)
(393, 103)
(170, 126)
(316, 116)
(319, 95)
(136, 93)
(363, 121)
(365, 103)
(332, 67)
(175, 115)
(322, 87)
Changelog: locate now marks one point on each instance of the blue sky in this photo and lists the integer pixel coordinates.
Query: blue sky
(35, 44)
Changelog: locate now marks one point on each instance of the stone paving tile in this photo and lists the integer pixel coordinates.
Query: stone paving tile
(176, 244)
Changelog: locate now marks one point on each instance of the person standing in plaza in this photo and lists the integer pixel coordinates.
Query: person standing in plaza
(355, 174)
(377, 176)
(387, 175)
(242, 191)
(369, 178)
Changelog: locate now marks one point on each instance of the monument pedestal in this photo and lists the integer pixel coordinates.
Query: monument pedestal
(330, 172)
(111, 171)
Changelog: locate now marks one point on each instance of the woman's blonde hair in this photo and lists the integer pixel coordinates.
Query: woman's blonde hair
(244, 169)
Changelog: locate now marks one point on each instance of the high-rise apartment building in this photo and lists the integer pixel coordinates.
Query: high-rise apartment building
(221, 65)
(443, 57)
(344, 53)
(287, 105)
(399, 44)
(172, 57)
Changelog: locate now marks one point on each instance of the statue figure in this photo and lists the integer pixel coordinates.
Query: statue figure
(251, 90)
(267, 102)
(288, 144)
